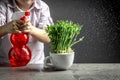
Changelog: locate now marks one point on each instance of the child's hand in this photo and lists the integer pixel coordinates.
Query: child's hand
(13, 26)
(26, 27)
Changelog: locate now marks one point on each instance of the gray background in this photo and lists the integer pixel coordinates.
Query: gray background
(100, 19)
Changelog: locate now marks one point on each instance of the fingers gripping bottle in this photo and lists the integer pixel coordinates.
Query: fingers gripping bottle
(19, 54)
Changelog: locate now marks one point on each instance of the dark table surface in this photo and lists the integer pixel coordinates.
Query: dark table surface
(76, 72)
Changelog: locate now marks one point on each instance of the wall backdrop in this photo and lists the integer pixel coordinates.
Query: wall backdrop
(100, 20)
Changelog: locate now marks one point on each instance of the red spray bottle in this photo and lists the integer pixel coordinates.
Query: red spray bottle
(19, 54)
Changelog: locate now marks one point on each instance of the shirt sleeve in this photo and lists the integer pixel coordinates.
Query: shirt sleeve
(2, 13)
(45, 18)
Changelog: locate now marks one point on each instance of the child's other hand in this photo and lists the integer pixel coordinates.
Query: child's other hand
(26, 27)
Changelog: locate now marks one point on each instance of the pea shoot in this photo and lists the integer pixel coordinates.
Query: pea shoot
(63, 35)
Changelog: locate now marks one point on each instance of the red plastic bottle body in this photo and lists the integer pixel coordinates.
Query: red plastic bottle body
(19, 54)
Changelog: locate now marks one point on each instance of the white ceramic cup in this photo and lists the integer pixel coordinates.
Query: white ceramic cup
(60, 61)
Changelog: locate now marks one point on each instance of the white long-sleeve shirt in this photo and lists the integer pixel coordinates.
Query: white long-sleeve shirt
(40, 17)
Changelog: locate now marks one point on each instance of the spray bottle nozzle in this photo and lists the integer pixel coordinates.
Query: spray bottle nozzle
(27, 13)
